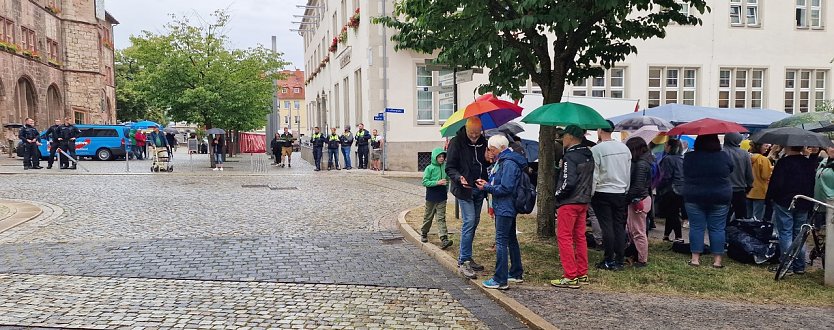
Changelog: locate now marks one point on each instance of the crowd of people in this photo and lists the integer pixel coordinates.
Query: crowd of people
(367, 144)
(612, 185)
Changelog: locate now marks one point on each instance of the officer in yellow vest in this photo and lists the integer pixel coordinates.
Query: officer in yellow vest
(333, 144)
(317, 140)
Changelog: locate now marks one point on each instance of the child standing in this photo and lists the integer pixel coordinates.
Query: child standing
(435, 180)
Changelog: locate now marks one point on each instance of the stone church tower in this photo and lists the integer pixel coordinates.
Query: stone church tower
(56, 60)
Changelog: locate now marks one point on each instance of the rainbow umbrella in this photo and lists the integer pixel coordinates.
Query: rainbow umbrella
(492, 112)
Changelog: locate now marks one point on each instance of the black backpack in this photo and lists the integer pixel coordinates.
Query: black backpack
(525, 194)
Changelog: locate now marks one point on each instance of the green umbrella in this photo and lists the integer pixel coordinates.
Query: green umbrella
(807, 120)
(567, 113)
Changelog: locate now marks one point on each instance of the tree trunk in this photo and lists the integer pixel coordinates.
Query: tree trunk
(546, 199)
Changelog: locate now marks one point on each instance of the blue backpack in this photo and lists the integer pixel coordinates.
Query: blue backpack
(525, 194)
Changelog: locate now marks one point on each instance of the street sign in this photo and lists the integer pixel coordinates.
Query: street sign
(394, 110)
(379, 114)
(464, 76)
(442, 89)
(379, 118)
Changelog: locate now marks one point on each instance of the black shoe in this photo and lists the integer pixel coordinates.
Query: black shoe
(424, 238)
(640, 264)
(72, 168)
(25, 168)
(64, 167)
(606, 265)
(49, 167)
(475, 266)
(289, 165)
(37, 168)
(444, 244)
(316, 170)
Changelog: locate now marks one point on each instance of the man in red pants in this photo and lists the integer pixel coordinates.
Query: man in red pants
(573, 193)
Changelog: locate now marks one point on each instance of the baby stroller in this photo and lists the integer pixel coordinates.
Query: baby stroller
(161, 160)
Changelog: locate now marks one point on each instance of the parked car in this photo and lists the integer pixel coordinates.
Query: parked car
(102, 142)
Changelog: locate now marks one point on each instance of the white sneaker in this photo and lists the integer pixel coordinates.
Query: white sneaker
(221, 169)
(215, 169)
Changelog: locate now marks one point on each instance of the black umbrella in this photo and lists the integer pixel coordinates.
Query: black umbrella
(791, 137)
(215, 131)
(511, 128)
(13, 125)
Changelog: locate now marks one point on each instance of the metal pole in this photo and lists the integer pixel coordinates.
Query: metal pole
(829, 245)
(127, 154)
(272, 126)
(384, 90)
(455, 108)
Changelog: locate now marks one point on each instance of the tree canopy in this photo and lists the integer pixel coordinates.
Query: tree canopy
(549, 42)
(191, 74)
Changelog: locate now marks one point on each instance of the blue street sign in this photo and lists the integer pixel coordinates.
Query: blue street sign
(394, 110)
(379, 114)
(379, 118)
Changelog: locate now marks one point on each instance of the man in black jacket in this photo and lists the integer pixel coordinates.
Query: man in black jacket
(317, 140)
(29, 136)
(286, 147)
(333, 143)
(466, 163)
(69, 132)
(275, 146)
(362, 138)
(54, 140)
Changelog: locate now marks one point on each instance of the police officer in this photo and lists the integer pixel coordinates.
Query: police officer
(333, 144)
(52, 136)
(362, 138)
(29, 137)
(347, 142)
(69, 132)
(317, 140)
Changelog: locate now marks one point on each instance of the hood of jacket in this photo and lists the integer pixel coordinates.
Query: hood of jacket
(513, 156)
(436, 152)
(732, 140)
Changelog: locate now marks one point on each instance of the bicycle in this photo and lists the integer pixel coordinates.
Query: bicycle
(818, 251)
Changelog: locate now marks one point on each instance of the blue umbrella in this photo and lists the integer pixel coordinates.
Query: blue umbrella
(145, 124)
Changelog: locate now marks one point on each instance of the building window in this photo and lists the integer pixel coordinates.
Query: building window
(108, 76)
(684, 7)
(804, 90)
(809, 14)
(425, 98)
(741, 88)
(6, 30)
(27, 39)
(610, 84)
(672, 85)
(296, 90)
(297, 105)
(79, 117)
(286, 104)
(744, 13)
(283, 90)
(52, 47)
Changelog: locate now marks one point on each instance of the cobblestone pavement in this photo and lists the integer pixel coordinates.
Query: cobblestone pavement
(292, 248)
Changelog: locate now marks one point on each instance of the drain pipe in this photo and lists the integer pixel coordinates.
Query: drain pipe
(384, 90)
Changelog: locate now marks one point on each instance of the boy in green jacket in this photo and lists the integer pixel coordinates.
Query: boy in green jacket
(435, 180)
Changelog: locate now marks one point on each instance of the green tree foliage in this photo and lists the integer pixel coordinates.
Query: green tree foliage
(191, 73)
(132, 103)
(550, 42)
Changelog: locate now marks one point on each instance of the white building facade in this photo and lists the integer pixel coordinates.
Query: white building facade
(747, 54)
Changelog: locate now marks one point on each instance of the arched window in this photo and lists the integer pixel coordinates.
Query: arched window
(54, 104)
(25, 101)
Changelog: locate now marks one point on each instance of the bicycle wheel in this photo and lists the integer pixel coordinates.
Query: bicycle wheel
(793, 252)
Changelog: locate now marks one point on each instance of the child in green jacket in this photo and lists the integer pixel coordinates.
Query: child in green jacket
(435, 180)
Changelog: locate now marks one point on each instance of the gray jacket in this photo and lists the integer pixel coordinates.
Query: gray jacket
(742, 177)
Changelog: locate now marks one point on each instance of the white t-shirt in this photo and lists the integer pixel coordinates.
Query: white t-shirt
(612, 167)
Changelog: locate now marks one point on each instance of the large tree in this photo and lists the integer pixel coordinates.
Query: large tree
(190, 71)
(550, 42)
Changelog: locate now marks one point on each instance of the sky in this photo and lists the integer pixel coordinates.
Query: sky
(252, 22)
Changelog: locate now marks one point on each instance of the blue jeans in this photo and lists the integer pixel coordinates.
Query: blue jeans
(470, 211)
(333, 157)
(218, 158)
(506, 239)
(756, 208)
(788, 223)
(346, 155)
(712, 218)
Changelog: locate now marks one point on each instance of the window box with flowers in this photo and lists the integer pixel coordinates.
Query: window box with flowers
(107, 43)
(8, 47)
(354, 20)
(32, 54)
(343, 35)
(53, 9)
(334, 45)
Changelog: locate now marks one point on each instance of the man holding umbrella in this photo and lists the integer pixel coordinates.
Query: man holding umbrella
(465, 164)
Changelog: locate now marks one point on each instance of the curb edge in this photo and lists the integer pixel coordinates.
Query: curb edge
(527, 316)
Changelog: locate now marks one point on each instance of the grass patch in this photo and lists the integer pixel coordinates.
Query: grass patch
(667, 273)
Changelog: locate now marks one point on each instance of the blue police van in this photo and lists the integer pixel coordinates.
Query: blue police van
(102, 142)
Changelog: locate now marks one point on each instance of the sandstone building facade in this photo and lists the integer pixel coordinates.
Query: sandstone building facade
(56, 60)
